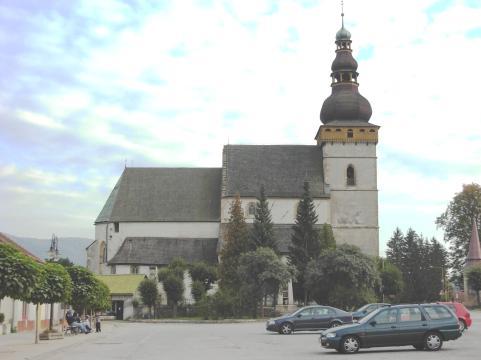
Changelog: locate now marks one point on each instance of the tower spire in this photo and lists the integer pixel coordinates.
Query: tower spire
(342, 12)
(345, 102)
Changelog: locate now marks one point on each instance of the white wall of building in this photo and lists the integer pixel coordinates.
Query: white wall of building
(283, 211)
(114, 239)
(354, 208)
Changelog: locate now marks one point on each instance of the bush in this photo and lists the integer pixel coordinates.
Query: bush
(220, 305)
(198, 290)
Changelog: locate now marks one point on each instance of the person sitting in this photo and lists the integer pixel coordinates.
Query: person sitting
(79, 324)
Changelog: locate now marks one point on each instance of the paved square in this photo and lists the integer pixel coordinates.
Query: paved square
(123, 340)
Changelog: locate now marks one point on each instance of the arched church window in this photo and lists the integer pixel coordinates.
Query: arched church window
(351, 180)
(328, 130)
(372, 130)
(350, 133)
(103, 252)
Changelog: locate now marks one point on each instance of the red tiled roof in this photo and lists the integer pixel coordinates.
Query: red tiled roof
(4, 239)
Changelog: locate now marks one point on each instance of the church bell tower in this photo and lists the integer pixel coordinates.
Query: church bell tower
(348, 142)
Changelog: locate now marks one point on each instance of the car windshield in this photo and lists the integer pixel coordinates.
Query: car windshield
(369, 316)
(362, 308)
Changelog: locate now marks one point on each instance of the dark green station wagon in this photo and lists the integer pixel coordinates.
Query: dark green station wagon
(423, 326)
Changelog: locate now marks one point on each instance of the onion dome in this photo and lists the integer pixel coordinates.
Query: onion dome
(343, 34)
(345, 102)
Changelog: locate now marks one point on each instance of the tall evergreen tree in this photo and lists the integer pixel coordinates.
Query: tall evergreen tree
(423, 265)
(305, 242)
(236, 242)
(262, 234)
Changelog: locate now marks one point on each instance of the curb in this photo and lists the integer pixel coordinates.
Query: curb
(175, 321)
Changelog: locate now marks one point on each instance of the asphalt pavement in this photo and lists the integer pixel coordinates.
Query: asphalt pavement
(179, 341)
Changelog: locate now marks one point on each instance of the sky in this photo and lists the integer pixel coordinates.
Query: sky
(87, 87)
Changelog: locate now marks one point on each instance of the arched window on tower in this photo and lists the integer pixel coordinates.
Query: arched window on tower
(350, 176)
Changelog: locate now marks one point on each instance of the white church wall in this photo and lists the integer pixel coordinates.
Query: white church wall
(367, 239)
(283, 211)
(354, 208)
(152, 229)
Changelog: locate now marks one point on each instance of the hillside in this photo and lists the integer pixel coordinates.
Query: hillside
(73, 248)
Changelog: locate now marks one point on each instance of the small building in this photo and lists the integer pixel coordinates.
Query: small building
(123, 290)
(20, 315)
(473, 259)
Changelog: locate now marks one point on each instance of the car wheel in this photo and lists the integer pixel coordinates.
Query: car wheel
(286, 328)
(462, 325)
(334, 324)
(419, 346)
(433, 341)
(350, 344)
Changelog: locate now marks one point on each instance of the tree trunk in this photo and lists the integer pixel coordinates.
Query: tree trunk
(174, 310)
(50, 325)
(477, 298)
(305, 297)
(37, 318)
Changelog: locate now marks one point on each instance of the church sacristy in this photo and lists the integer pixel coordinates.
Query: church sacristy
(156, 214)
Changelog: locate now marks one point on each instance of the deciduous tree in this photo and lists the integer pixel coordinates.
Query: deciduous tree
(457, 222)
(148, 293)
(18, 273)
(343, 277)
(262, 273)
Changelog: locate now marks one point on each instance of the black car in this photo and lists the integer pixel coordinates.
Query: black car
(422, 326)
(309, 318)
(367, 309)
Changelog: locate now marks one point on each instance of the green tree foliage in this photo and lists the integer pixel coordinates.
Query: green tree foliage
(262, 234)
(101, 297)
(65, 262)
(343, 277)
(18, 273)
(148, 293)
(236, 242)
(423, 265)
(474, 280)
(220, 305)
(53, 286)
(197, 290)
(262, 273)
(204, 273)
(392, 283)
(172, 278)
(305, 242)
(326, 237)
(88, 292)
(457, 222)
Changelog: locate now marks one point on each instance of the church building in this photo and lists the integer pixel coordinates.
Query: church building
(156, 214)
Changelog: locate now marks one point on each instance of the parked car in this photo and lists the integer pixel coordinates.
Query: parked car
(423, 326)
(461, 312)
(366, 309)
(309, 318)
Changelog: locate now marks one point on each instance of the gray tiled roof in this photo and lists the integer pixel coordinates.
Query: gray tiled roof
(282, 233)
(161, 251)
(282, 169)
(165, 194)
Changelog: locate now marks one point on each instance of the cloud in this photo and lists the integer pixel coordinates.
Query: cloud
(91, 85)
(38, 119)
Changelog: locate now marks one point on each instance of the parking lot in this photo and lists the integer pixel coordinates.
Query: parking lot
(124, 340)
